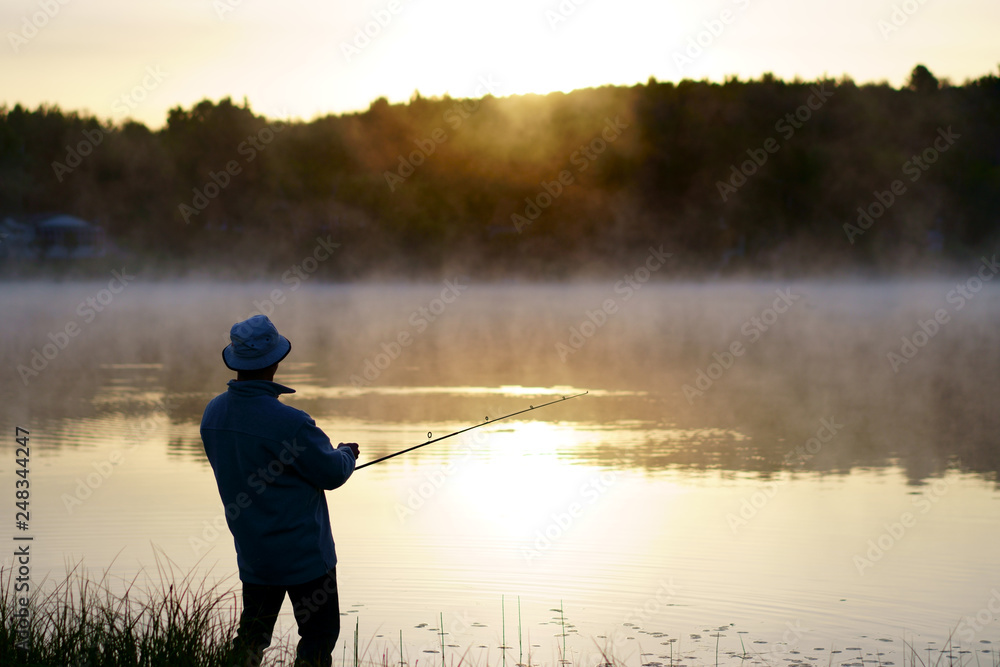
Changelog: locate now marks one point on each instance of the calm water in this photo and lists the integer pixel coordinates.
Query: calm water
(766, 482)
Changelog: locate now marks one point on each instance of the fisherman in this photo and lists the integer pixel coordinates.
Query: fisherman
(272, 463)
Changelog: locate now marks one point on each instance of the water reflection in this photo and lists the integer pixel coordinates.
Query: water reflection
(735, 513)
(157, 353)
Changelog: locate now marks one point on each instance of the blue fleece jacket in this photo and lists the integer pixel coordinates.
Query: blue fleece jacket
(271, 463)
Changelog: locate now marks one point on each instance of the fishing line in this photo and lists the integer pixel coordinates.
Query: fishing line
(487, 421)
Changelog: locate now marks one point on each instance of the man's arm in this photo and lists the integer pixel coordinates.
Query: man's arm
(318, 462)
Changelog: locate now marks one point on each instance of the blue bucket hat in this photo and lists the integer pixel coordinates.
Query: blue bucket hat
(256, 344)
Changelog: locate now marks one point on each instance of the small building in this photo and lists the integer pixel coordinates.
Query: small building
(50, 236)
(16, 239)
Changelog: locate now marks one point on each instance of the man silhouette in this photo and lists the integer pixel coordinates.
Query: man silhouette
(272, 463)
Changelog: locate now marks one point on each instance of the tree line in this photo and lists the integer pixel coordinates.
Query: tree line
(759, 177)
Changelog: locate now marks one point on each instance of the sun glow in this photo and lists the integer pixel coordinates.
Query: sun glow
(308, 60)
(524, 479)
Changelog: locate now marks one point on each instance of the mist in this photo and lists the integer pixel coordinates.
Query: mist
(907, 390)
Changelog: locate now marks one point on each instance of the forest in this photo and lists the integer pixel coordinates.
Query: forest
(763, 177)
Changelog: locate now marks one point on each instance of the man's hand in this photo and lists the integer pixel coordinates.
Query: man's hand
(353, 446)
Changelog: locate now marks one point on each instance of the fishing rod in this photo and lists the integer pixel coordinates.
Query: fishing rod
(488, 421)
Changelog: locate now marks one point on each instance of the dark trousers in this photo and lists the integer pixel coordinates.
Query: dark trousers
(316, 606)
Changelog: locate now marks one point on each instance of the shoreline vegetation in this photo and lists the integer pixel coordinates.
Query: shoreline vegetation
(178, 622)
(82, 622)
(736, 178)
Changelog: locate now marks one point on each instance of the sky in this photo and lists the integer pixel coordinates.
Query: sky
(300, 59)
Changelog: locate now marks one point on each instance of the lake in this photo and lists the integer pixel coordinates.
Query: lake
(796, 472)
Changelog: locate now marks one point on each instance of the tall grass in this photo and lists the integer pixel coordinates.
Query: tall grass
(175, 621)
(80, 622)
(169, 620)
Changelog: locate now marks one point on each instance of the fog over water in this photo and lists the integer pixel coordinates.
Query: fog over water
(743, 445)
(827, 355)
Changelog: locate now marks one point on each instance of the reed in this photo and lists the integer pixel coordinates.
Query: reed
(178, 621)
(82, 622)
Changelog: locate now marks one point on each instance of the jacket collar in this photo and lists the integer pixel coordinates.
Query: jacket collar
(252, 388)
